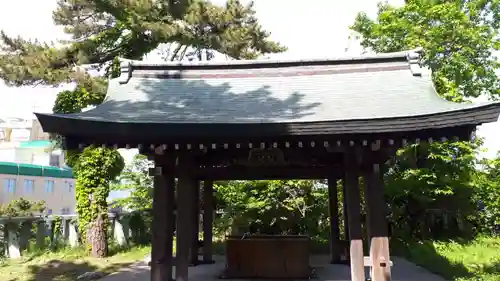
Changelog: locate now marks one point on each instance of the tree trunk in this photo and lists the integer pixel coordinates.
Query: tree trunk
(97, 238)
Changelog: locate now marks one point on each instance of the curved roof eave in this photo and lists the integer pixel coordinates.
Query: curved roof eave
(69, 126)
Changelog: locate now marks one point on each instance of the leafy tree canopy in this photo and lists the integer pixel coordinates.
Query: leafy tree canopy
(103, 30)
(459, 39)
(135, 179)
(273, 206)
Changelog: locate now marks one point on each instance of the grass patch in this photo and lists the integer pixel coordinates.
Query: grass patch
(477, 260)
(66, 264)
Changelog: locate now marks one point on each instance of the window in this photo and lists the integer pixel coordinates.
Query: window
(54, 160)
(65, 211)
(9, 185)
(29, 186)
(49, 186)
(69, 186)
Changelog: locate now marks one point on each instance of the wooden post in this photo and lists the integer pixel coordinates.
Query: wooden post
(161, 250)
(208, 217)
(354, 218)
(367, 173)
(184, 217)
(195, 228)
(344, 210)
(379, 241)
(334, 221)
(170, 223)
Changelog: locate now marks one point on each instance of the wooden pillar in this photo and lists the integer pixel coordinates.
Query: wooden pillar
(163, 209)
(195, 227)
(334, 221)
(345, 214)
(170, 223)
(186, 183)
(377, 224)
(208, 218)
(354, 217)
(367, 173)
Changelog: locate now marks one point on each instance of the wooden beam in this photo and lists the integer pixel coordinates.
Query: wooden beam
(339, 143)
(354, 218)
(256, 173)
(334, 220)
(208, 217)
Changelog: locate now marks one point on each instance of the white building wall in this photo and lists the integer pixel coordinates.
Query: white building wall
(24, 156)
(41, 158)
(7, 155)
(61, 197)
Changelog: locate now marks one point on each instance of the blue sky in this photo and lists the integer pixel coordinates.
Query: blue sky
(311, 29)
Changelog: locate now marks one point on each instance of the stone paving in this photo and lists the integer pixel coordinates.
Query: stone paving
(402, 271)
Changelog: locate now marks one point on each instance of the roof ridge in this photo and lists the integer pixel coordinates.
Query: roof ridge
(334, 59)
(411, 56)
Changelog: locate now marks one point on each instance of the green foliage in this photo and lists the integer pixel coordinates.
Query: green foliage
(21, 208)
(437, 186)
(428, 184)
(95, 168)
(133, 28)
(57, 226)
(18, 208)
(487, 196)
(273, 207)
(140, 223)
(458, 37)
(76, 100)
(476, 260)
(135, 178)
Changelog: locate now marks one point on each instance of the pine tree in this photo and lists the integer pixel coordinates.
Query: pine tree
(103, 30)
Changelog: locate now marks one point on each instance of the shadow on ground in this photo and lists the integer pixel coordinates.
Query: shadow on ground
(424, 254)
(63, 271)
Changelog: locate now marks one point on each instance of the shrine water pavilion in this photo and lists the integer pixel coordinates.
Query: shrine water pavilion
(299, 119)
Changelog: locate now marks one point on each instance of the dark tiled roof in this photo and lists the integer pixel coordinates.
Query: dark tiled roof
(346, 95)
